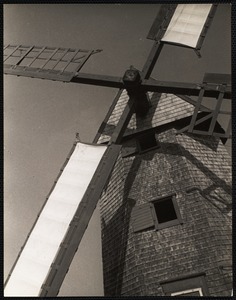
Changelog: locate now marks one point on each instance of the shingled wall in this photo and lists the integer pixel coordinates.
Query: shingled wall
(196, 169)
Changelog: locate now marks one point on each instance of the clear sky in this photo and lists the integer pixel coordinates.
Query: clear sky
(41, 117)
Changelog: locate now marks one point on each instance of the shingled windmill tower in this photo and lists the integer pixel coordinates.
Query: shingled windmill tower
(161, 211)
(161, 176)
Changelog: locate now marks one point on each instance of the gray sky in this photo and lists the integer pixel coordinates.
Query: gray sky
(41, 117)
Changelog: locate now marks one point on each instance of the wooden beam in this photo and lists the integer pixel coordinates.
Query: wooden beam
(184, 88)
(196, 110)
(101, 80)
(217, 134)
(199, 121)
(216, 111)
(161, 21)
(123, 122)
(151, 60)
(193, 102)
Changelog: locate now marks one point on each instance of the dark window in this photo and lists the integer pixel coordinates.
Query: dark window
(166, 212)
(147, 142)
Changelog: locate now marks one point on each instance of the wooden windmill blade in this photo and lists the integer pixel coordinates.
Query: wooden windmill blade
(137, 83)
(59, 228)
(195, 19)
(53, 63)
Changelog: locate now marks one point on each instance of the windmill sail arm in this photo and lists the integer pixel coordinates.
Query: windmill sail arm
(79, 223)
(56, 235)
(96, 79)
(189, 25)
(114, 81)
(183, 88)
(59, 64)
(184, 25)
(161, 21)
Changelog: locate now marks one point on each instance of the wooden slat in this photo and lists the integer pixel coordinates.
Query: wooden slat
(193, 102)
(36, 57)
(17, 47)
(70, 60)
(24, 55)
(53, 53)
(196, 110)
(60, 58)
(203, 119)
(141, 217)
(80, 65)
(216, 112)
(229, 129)
(33, 53)
(196, 123)
(39, 73)
(217, 134)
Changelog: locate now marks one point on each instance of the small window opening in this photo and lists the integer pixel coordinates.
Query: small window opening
(165, 210)
(147, 141)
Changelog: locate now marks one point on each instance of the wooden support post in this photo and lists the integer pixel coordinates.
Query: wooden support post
(196, 110)
(216, 110)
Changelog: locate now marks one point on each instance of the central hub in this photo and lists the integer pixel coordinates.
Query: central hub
(132, 81)
(132, 78)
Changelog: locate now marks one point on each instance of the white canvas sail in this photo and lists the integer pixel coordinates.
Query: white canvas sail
(186, 24)
(44, 241)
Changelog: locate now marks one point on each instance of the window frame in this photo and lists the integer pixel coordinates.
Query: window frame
(186, 284)
(170, 223)
(188, 291)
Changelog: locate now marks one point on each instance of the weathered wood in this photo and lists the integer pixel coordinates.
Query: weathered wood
(123, 122)
(184, 88)
(216, 112)
(206, 26)
(100, 80)
(161, 21)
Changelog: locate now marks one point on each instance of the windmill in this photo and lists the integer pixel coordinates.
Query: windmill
(132, 83)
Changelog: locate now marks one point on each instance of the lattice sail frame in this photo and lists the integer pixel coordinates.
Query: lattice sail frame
(222, 81)
(44, 62)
